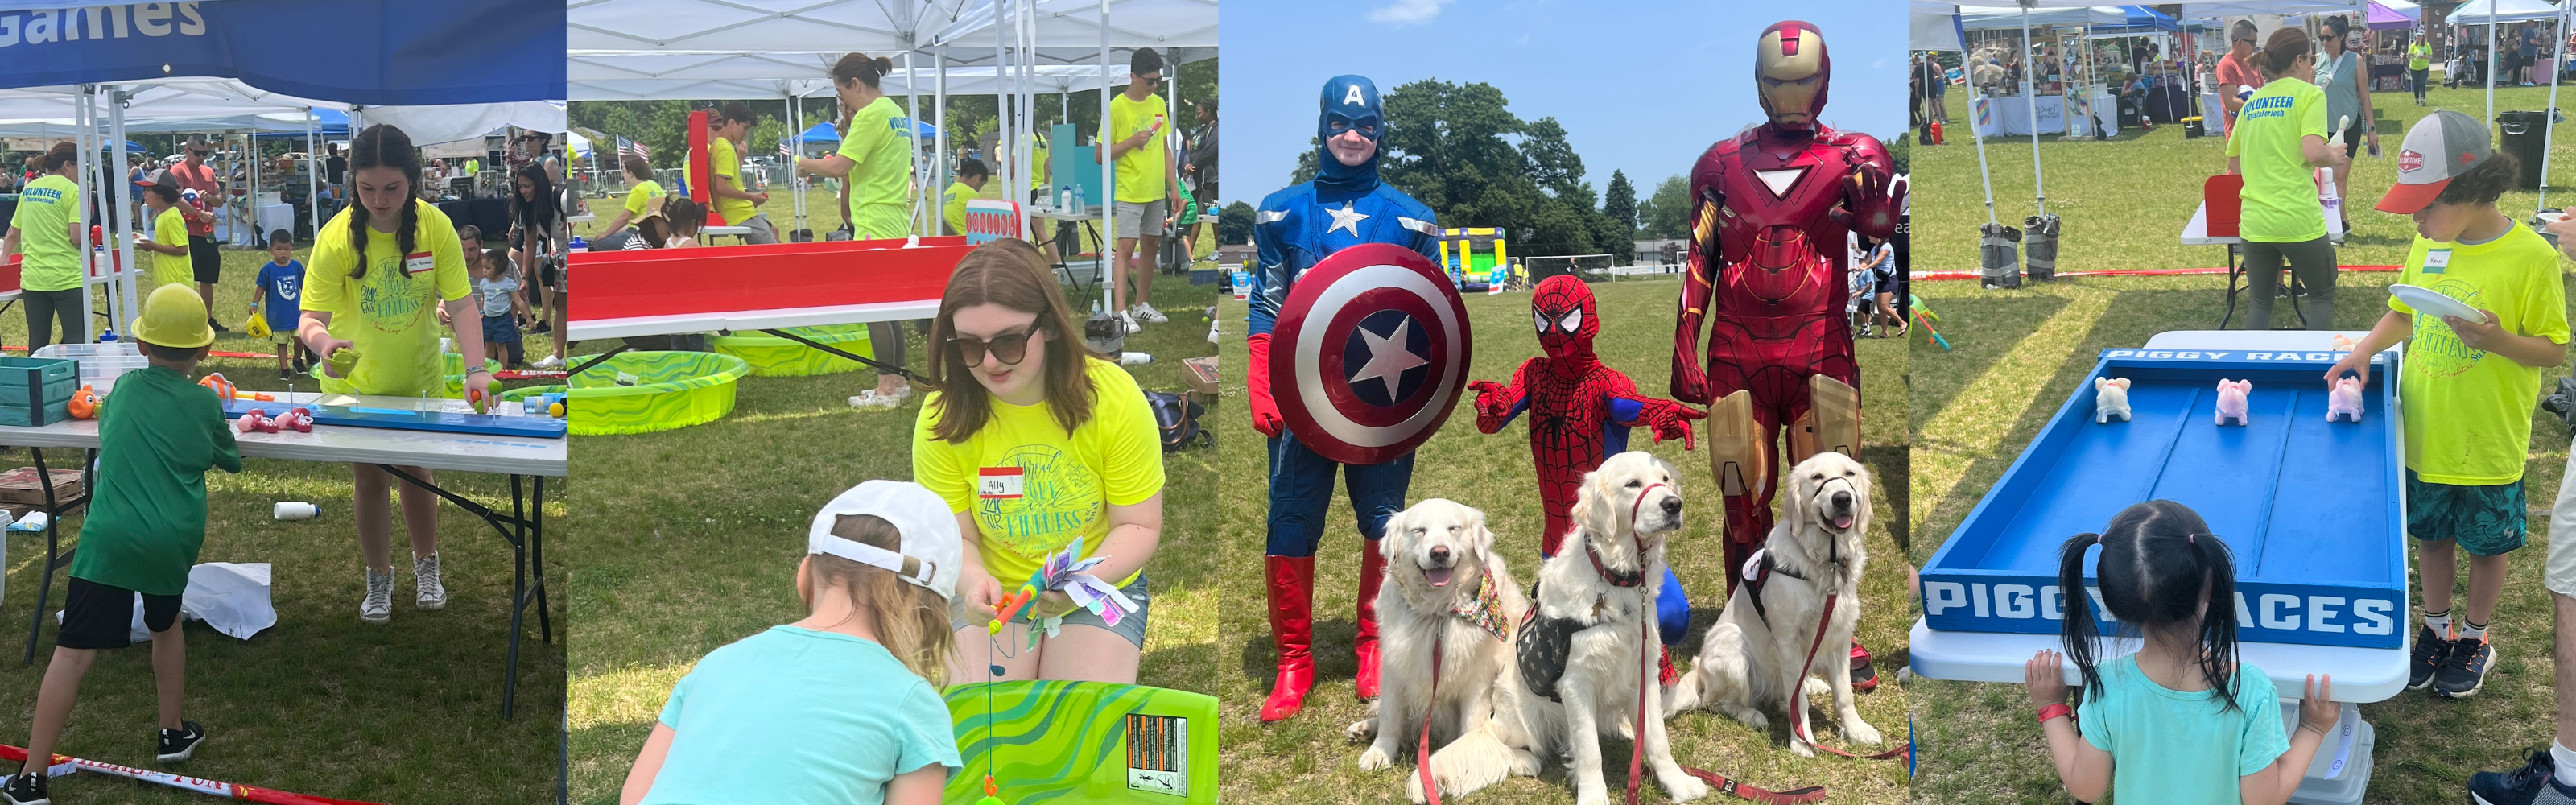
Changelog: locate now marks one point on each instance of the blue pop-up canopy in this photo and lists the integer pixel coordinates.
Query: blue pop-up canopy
(820, 133)
(370, 52)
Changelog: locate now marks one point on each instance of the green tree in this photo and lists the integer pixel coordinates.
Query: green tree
(1666, 214)
(1234, 224)
(1619, 209)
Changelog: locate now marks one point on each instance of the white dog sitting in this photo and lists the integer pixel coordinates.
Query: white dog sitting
(1447, 599)
(1758, 654)
(1583, 658)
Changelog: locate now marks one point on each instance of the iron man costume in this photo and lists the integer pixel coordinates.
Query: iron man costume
(1767, 281)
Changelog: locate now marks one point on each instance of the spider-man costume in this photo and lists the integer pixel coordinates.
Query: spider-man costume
(1766, 280)
(1580, 412)
(1295, 227)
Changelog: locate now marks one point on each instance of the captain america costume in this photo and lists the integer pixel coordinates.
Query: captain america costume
(1344, 206)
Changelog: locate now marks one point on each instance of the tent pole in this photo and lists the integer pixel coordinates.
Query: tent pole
(1983, 173)
(84, 122)
(2549, 117)
(1003, 146)
(1108, 178)
(313, 174)
(121, 294)
(939, 136)
(2492, 43)
(2030, 93)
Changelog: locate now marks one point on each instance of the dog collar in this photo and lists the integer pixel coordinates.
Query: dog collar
(1485, 609)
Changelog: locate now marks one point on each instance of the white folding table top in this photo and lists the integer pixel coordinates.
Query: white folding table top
(752, 320)
(462, 452)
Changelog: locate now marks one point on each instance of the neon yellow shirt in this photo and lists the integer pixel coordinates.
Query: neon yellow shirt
(880, 174)
(171, 229)
(2418, 56)
(388, 313)
(1037, 163)
(640, 198)
(1140, 170)
(2280, 195)
(44, 222)
(1032, 487)
(722, 161)
(954, 206)
(2468, 412)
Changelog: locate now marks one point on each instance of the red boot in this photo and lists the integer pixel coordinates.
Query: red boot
(1665, 675)
(1864, 676)
(1292, 597)
(1372, 571)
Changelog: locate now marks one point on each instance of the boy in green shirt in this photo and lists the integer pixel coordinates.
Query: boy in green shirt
(970, 181)
(2469, 386)
(158, 435)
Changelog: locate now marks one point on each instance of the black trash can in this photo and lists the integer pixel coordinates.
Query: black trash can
(2525, 134)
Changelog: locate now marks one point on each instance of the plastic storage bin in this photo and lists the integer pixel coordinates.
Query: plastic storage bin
(35, 392)
(100, 364)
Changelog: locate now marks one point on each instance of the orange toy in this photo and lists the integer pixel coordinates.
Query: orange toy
(223, 388)
(84, 404)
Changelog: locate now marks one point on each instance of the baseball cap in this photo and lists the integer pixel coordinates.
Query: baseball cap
(928, 551)
(2438, 149)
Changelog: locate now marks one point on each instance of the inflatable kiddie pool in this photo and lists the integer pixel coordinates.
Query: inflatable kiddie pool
(672, 390)
(772, 356)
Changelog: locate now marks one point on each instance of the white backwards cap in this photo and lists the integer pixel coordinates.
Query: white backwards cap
(928, 552)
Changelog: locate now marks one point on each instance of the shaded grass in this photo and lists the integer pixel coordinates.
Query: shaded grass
(1306, 759)
(322, 703)
(2019, 354)
(689, 538)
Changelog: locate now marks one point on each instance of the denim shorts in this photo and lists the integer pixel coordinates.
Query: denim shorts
(1130, 625)
(500, 329)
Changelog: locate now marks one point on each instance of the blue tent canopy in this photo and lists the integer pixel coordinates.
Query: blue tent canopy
(2140, 20)
(370, 52)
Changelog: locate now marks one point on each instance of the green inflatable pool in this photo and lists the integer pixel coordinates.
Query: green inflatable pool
(672, 390)
(772, 356)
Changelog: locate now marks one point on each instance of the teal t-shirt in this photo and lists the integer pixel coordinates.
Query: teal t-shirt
(2180, 748)
(793, 715)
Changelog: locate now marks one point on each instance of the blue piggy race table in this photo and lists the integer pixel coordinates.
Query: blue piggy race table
(523, 458)
(2313, 512)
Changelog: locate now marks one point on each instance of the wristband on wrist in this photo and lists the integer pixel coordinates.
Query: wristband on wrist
(2055, 710)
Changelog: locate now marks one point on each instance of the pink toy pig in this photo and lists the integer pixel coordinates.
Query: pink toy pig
(2344, 399)
(2231, 400)
(255, 420)
(2344, 343)
(298, 418)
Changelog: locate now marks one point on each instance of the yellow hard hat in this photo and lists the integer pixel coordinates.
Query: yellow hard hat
(174, 316)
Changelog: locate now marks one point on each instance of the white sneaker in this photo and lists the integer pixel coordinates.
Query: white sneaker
(871, 398)
(424, 575)
(1147, 314)
(1129, 319)
(379, 606)
(548, 363)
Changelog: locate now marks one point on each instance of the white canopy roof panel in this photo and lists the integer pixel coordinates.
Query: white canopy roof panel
(711, 82)
(1989, 19)
(1932, 28)
(2476, 12)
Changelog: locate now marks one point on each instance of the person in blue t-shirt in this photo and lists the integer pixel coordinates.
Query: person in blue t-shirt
(281, 287)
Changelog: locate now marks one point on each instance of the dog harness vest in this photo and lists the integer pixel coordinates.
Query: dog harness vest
(1485, 610)
(1542, 649)
(1758, 574)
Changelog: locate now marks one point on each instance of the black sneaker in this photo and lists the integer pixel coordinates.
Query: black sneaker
(2466, 669)
(2430, 650)
(25, 788)
(2529, 785)
(219, 326)
(178, 744)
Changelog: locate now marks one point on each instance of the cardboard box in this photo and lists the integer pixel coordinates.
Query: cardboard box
(19, 486)
(1202, 374)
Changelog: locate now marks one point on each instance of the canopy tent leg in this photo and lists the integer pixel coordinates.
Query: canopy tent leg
(2030, 93)
(939, 139)
(85, 124)
(2549, 117)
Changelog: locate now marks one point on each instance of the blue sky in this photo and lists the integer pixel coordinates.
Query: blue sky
(1641, 86)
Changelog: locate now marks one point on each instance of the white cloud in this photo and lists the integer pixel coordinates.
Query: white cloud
(1408, 12)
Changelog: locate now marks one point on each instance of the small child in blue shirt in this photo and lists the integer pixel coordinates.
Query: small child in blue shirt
(843, 706)
(281, 285)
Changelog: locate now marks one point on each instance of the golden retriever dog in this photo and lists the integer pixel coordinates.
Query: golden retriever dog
(1580, 660)
(1752, 659)
(1444, 589)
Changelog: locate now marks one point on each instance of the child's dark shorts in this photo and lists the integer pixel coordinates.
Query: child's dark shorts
(500, 330)
(100, 616)
(2486, 520)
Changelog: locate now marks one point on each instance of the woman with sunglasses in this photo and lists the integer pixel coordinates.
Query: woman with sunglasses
(2236, 70)
(1035, 442)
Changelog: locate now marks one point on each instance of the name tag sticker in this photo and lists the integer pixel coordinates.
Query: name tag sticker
(419, 263)
(998, 483)
(2436, 260)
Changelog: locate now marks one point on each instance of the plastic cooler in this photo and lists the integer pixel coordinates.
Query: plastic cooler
(100, 364)
(2341, 770)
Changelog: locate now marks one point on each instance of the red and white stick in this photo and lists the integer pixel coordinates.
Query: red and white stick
(64, 765)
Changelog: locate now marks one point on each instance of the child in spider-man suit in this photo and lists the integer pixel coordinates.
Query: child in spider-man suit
(1580, 412)
(1344, 206)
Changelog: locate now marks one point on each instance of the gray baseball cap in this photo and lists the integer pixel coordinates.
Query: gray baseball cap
(2438, 149)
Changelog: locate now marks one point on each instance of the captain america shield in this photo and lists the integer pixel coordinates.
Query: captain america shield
(1373, 347)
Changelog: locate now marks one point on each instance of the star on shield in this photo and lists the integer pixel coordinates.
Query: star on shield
(1389, 356)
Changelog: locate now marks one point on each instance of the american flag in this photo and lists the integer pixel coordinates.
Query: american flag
(786, 148)
(626, 146)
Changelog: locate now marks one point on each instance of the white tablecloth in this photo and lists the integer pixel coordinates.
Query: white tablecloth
(2010, 116)
(272, 217)
(2105, 119)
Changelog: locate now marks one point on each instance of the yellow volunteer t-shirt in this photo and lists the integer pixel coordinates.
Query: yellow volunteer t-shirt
(880, 173)
(2280, 195)
(2468, 412)
(640, 198)
(1037, 163)
(1032, 487)
(954, 206)
(722, 161)
(171, 229)
(1140, 170)
(2418, 56)
(43, 220)
(390, 313)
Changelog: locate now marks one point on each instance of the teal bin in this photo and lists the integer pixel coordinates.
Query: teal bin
(35, 392)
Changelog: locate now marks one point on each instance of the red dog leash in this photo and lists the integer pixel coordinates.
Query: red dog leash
(1798, 714)
(1422, 748)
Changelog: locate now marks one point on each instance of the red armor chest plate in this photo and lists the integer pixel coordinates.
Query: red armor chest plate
(1780, 255)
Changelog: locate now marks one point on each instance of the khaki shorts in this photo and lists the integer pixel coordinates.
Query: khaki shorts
(2560, 577)
(1142, 219)
(762, 231)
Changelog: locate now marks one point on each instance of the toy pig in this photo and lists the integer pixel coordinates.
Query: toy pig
(298, 418)
(2344, 399)
(2231, 400)
(2344, 343)
(255, 420)
(2110, 399)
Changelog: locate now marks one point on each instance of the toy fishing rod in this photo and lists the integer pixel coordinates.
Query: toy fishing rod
(1061, 572)
(1924, 317)
(66, 765)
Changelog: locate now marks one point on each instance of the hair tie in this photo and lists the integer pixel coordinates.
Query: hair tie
(2193, 538)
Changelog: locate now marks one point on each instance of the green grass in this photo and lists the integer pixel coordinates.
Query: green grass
(322, 703)
(1306, 759)
(2019, 353)
(688, 539)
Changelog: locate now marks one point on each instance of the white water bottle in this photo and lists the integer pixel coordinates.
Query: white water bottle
(1134, 358)
(296, 510)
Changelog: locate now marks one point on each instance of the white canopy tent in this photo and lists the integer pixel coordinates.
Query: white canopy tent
(431, 125)
(1996, 19)
(1930, 26)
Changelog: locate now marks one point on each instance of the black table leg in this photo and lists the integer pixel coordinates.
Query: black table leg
(55, 557)
(897, 371)
(2233, 272)
(523, 532)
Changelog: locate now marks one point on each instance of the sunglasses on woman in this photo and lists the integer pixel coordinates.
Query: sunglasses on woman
(1009, 348)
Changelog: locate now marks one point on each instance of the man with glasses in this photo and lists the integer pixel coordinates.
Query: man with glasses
(193, 174)
(2237, 77)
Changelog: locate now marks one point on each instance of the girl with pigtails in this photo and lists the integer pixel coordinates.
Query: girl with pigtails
(2181, 720)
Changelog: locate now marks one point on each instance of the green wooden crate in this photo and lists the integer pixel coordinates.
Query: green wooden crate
(57, 379)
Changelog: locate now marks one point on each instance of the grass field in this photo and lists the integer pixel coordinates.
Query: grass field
(322, 703)
(2019, 353)
(688, 539)
(1306, 759)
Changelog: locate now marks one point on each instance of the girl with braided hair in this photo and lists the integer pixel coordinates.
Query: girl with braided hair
(378, 275)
